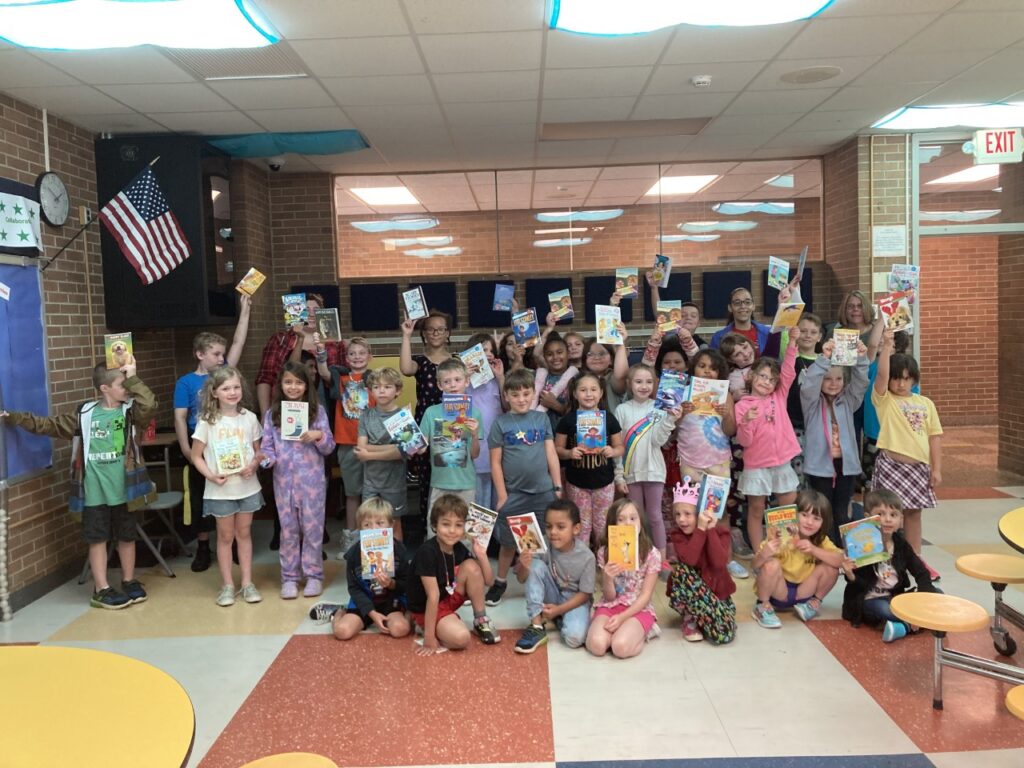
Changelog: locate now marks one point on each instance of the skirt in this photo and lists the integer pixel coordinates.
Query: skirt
(911, 482)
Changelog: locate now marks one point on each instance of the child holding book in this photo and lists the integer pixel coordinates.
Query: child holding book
(741, 354)
(104, 437)
(524, 468)
(225, 448)
(870, 588)
(609, 363)
(797, 571)
(552, 381)
(559, 582)
(444, 575)
(575, 343)
(624, 619)
(300, 485)
(699, 588)
(487, 400)
(590, 474)
(808, 336)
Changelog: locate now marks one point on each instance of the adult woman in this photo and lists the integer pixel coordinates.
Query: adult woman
(740, 315)
(856, 312)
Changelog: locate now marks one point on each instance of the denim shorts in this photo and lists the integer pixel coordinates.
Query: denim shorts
(228, 507)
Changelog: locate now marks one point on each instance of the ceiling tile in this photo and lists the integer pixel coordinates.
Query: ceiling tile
(208, 123)
(964, 91)
(21, 69)
(515, 132)
(851, 121)
(167, 97)
(672, 106)
(725, 77)
(854, 36)
(888, 8)
(70, 99)
(492, 113)
(488, 86)
(377, 91)
(294, 163)
(314, 119)
(723, 146)
(482, 51)
(563, 175)
(880, 98)
(767, 169)
(594, 82)
(356, 57)
(364, 161)
(709, 44)
(279, 94)
(594, 148)
(650, 149)
(622, 187)
(810, 138)
(394, 118)
(129, 122)
(737, 125)
(903, 67)
(567, 50)
(980, 31)
(583, 110)
(123, 65)
(302, 19)
(778, 102)
(852, 67)
(1005, 65)
(439, 16)
(639, 172)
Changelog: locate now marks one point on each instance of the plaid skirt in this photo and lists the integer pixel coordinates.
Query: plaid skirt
(911, 482)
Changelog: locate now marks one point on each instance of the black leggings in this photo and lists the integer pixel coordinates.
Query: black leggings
(838, 489)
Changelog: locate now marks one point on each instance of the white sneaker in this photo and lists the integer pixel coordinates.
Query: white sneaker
(226, 596)
(736, 570)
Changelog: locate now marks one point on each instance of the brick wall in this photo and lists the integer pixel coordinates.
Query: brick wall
(840, 177)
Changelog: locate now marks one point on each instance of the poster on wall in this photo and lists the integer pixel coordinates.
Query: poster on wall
(19, 219)
(889, 241)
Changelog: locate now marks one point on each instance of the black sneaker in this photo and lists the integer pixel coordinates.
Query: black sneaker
(533, 638)
(322, 613)
(110, 599)
(493, 596)
(484, 629)
(133, 591)
(201, 561)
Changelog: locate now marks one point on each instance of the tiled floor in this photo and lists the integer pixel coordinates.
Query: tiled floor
(264, 679)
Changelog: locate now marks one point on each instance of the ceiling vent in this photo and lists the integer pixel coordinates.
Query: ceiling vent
(622, 129)
(809, 75)
(272, 61)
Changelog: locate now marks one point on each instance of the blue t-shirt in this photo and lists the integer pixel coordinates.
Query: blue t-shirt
(524, 460)
(186, 395)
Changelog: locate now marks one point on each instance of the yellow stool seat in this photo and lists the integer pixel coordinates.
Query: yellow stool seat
(940, 613)
(999, 569)
(292, 760)
(1015, 701)
(1011, 528)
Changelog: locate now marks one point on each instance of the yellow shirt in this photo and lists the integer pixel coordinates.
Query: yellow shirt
(905, 424)
(796, 566)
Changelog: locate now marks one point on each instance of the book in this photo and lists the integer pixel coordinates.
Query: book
(480, 524)
(626, 281)
(672, 390)
(904, 277)
(668, 316)
(525, 327)
(405, 432)
(661, 270)
(117, 348)
(449, 444)
(294, 419)
(787, 315)
(295, 309)
(623, 543)
(327, 323)
(844, 351)
(503, 294)
(526, 531)
(781, 523)
(714, 493)
(705, 394)
(479, 369)
(802, 263)
(895, 309)
(608, 319)
(456, 407)
(561, 304)
(862, 540)
(415, 303)
(229, 454)
(250, 282)
(591, 431)
(377, 552)
(778, 272)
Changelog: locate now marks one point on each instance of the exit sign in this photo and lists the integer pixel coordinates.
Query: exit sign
(998, 145)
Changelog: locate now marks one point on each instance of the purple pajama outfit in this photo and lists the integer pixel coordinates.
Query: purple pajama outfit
(300, 488)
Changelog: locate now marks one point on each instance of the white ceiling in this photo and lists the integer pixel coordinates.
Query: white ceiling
(465, 84)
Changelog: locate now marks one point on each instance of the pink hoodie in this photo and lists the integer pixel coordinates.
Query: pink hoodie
(769, 440)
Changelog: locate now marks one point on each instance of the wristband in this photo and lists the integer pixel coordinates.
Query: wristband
(321, 357)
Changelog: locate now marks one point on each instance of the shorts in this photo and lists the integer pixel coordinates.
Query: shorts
(468, 495)
(103, 523)
(398, 604)
(351, 470)
(397, 499)
(790, 600)
(520, 504)
(768, 480)
(229, 507)
(446, 606)
(646, 618)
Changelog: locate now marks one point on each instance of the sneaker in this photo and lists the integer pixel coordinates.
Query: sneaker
(289, 590)
(893, 630)
(740, 548)
(765, 616)
(494, 594)
(322, 613)
(736, 570)
(226, 596)
(533, 638)
(110, 599)
(805, 611)
(932, 573)
(314, 587)
(133, 591)
(250, 594)
(201, 561)
(691, 633)
(484, 629)
(654, 632)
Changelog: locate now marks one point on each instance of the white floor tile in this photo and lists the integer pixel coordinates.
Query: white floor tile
(994, 758)
(37, 621)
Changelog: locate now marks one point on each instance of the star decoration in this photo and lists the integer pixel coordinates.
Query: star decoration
(17, 209)
(23, 237)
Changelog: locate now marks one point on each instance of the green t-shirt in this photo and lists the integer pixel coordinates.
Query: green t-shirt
(452, 468)
(104, 464)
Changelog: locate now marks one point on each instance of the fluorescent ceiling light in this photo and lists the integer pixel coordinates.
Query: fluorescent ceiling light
(784, 180)
(426, 253)
(976, 215)
(560, 231)
(689, 238)
(968, 175)
(399, 223)
(75, 25)
(1010, 115)
(717, 226)
(563, 241)
(614, 17)
(385, 195)
(406, 242)
(555, 217)
(679, 185)
(738, 209)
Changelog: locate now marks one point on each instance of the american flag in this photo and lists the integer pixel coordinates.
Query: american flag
(145, 228)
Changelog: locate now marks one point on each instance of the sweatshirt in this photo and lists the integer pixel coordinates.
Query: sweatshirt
(709, 552)
(818, 421)
(769, 440)
(642, 460)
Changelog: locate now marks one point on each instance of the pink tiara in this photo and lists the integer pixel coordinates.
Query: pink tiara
(686, 492)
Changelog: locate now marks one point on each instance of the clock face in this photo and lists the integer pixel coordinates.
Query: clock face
(53, 199)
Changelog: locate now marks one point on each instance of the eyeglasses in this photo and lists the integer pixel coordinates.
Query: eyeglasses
(602, 353)
(435, 331)
(762, 376)
(743, 303)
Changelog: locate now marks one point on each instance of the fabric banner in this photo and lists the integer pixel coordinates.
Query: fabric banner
(19, 219)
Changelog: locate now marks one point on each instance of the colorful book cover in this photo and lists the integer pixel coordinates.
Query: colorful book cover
(778, 272)
(294, 419)
(250, 282)
(787, 315)
(117, 348)
(295, 309)
(714, 493)
(561, 304)
(896, 312)
(591, 431)
(672, 390)
(405, 432)
(661, 270)
(608, 319)
(526, 531)
(623, 543)
(668, 316)
(456, 407)
(525, 327)
(781, 522)
(705, 394)
(862, 540)
(476, 363)
(480, 523)
(627, 281)
(377, 552)
(229, 453)
(415, 303)
(503, 294)
(802, 263)
(844, 352)
(327, 323)
(449, 444)
(904, 277)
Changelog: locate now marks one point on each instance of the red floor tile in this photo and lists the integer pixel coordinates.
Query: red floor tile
(372, 702)
(969, 493)
(899, 678)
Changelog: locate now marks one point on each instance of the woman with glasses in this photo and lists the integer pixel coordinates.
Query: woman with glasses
(741, 321)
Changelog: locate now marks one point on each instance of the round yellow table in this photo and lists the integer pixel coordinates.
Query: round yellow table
(73, 706)
(292, 760)
(1011, 528)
